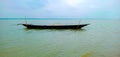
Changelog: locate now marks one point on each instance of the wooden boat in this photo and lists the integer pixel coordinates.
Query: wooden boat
(31, 26)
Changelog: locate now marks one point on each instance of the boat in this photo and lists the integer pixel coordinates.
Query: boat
(31, 26)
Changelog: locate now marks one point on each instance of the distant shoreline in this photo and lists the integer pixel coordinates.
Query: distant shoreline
(60, 18)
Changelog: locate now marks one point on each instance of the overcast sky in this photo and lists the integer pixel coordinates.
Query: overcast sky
(60, 8)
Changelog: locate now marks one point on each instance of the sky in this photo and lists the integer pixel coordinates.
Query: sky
(60, 8)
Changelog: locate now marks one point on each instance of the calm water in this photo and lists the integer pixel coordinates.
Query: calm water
(100, 39)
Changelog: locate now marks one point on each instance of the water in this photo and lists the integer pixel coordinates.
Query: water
(99, 39)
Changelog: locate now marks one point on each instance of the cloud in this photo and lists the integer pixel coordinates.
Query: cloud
(83, 8)
(20, 8)
(68, 7)
(60, 8)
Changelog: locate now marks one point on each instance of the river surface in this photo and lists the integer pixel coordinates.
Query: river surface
(99, 39)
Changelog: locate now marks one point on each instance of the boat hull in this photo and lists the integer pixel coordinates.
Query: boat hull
(30, 26)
